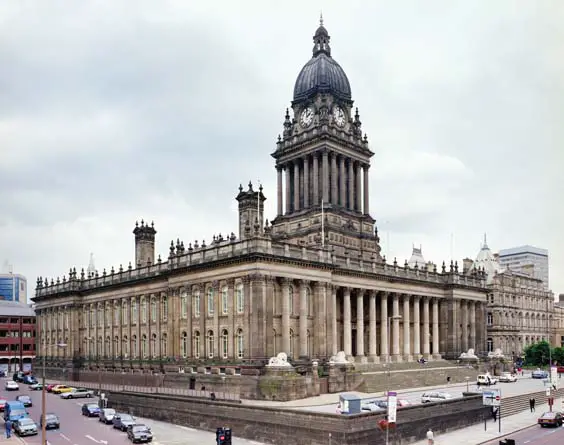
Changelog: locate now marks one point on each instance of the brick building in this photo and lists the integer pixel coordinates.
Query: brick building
(311, 283)
(17, 336)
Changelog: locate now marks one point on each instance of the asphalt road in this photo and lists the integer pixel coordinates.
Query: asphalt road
(524, 385)
(535, 435)
(79, 430)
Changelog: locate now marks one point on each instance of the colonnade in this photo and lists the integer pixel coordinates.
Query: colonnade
(325, 176)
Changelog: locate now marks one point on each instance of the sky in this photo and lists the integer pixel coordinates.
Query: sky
(112, 111)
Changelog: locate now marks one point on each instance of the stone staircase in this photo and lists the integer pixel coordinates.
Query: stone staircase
(380, 367)
(516, 404)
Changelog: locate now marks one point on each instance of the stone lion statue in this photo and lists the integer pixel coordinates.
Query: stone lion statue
(339, 358)
(468, 355)
(280, 361)
(496, 354)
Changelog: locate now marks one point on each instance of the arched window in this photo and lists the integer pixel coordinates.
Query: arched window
(210, 346)
(124, 317)
(143, 346)
(99, 346)
(240, 344)
(154, 345)
(125, 347)
(143, 310)
(116, 313)
(490, 345)
(291, 300)
(308, 301)
(164, 308)
(274, 343)
(197, 344)
(184, 344)
(184, 304)
(116, 347)
(291, 351)
(92, 316)
(224, 300)
(196, 304)
(224, 344)
(134, 316)
(164, 345)
(100, 315)
(107, 315)
(211, 308)
(134, 350)
(92, 347)
(240, 299)
(153, 309)
(85, 347)
(107, 345)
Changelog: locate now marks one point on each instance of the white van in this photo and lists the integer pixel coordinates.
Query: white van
(486, 379)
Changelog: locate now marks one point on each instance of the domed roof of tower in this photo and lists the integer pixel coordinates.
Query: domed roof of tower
(416, 258)
(322, 74)
(487, 261)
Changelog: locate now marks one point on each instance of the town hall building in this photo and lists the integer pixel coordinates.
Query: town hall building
(310, 283)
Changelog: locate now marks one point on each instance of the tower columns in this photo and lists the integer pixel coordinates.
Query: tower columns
(358, 173)
(366, 168)
(325, 191)
(279, 190)
(351, 185)
(288, 194)
(334, 183)
(296, 186)
(315, 179)
(306, 182)
(342, 184)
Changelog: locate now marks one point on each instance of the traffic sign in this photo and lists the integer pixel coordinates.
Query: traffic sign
(392, 406)
(554, 376)
(491, 397)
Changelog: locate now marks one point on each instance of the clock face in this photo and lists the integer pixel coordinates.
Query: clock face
(339, 116)
(306, 118)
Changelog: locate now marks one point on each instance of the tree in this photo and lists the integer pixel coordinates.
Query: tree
(558, 356)
(537, 354)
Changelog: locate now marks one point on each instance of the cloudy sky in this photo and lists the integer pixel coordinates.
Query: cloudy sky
(114, 110)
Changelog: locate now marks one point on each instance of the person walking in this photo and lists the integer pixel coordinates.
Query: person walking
(430, 437)
(532, 404)
(8, 424)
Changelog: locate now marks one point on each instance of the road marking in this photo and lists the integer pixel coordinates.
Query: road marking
(64, 437)
(91, 438)
(185, 428)
(527, 441)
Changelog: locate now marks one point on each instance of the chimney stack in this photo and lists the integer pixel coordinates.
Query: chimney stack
(144, 243)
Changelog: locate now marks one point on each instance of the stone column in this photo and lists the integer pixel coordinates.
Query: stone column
(285, 316)
(334, 182)
(416, 328)
(334, 339)
(372, 326)
(306, 182)
(325, 186)
(472, 310)
(464, 308)
(342, 184)
(288, 193)
(384, 353)
(280, 200)
(296, 186)
(360, 323)
(315, 179)
(406, 329)
(351, 185)
(357, 188)
(395, 328)
(303, 318)
(436, 340)
(426, 327)
(366, 192)
(347, 340)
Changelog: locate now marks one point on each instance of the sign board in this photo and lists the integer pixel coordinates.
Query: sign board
(491, 397)
(548, 392)
(392, 406)
(554, 376)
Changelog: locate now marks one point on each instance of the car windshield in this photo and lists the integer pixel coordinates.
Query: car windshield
(51, 417)
(549, 415)
(2, 402)
(26, 398)
(109, 411)
(25, 422)
(140, 428)
(126, 418)
(92, 406)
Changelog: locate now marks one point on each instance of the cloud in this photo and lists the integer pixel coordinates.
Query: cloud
(110, 113)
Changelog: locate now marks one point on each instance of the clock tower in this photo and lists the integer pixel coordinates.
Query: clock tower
(323, 162)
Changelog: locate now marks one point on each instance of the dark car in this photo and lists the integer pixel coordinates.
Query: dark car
(18, 377)
(139, 433)
(51, 421)
(90, 410)
(29, 380)
(122, 421)
(26, 400)
(25, 427)
(551, 419)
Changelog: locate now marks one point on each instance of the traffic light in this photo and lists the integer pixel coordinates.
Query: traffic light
(223, 436)
(227, 432)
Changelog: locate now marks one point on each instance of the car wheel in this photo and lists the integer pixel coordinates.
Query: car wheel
(88, 396)
(69, 397)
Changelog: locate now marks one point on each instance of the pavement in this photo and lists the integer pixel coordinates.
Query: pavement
(79, 430)
(522, 427)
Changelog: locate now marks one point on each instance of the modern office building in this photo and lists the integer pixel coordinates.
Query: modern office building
(527, 260)
(13, 287)
(17, 336)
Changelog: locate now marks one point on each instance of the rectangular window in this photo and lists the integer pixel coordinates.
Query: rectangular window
(224, 301)
(196, 305)
(184, 305)
(240, 299)
(211, 308)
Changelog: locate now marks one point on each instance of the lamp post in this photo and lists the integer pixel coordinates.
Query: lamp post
(43, 392)
(467, 381)
(393, 317)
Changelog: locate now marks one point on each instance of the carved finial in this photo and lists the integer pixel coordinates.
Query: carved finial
(444, 267)
(142, 223)
(120, 268)
(395, 262)
(279, 138)
(159, 259)
(104, 272)
(112, 271)
(456, 267)
(64, 279)
(190, 247)
(434, 268)
(82, 274)
(203, 243)
(136, 224)
(240, 188)
(152, 224)
(58, 280)
(129, 267)
(321, 18)
(250, 186)
(405, 265)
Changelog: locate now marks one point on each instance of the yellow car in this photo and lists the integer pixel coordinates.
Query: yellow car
(59, 389)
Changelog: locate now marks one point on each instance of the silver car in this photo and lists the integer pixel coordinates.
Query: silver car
(25, 427)
(107, 415)
(430, 397)
(77, 393)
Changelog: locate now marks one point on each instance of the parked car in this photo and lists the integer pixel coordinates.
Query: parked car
(429, 397)
(26, 400)
(51, 421)
(90, 410)
(2, 373)
(507, 377)
(122, 421)
(29, 380)
(59, 389)
(2, 404)
(107, 415)
(139, 433)
(559, 369)
(36, 386)
(50, 386)
(18, 376)
(486, 379)
(551, 419)
(77, 393)
(25, 427)
(11, 385)
(378, 405)
(539, 374)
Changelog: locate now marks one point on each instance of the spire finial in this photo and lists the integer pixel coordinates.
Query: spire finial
(485, 241)
(321, 18)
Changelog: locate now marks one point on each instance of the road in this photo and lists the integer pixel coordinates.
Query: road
(79, 430)
(524, 385)
(535, 435)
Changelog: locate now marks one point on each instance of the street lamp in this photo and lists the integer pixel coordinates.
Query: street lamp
(467, 380)
(393, 317)
(43, 398)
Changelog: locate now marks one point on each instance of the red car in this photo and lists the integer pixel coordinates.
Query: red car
(560, 369)
(2, 405)
(50, 387)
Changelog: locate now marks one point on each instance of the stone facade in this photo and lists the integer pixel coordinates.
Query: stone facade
(310, 284)
(558, 322)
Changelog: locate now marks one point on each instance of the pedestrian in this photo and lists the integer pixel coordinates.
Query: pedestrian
(494, 414)
(448, 380)
(532, 404)
(8, 428)
(430, 437)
